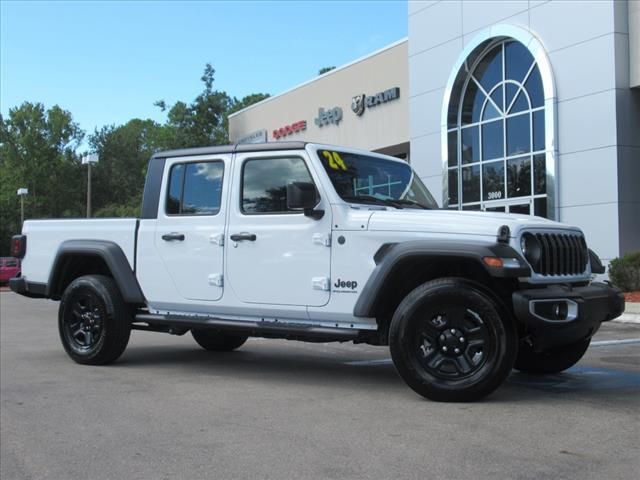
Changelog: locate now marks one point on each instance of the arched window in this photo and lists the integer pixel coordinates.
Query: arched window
(495, 132)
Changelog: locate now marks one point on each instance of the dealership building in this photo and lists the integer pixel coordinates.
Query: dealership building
(529, 107)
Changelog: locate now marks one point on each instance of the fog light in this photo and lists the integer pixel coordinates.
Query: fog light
(560, 311)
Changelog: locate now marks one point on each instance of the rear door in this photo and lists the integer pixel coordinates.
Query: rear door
(189, 235)
(279, 256)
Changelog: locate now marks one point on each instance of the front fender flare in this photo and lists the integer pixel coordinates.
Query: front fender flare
(389, 256)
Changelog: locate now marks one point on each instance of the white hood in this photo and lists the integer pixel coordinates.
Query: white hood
(458, 222)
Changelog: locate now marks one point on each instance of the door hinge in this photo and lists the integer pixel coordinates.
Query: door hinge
(322, 239)
(216, 279)
(217, 239)
(320, 283)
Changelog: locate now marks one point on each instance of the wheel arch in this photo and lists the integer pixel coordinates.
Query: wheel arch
(402, 267)
(82, 257)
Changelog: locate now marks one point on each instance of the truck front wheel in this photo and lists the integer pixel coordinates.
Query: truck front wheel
(93, 320)
(551, 361)
(218, 341)
(450, 342)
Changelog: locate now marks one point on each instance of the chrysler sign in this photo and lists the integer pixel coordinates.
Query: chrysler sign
(359, 102)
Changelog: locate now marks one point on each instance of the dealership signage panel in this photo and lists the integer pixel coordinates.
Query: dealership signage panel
(259, 136)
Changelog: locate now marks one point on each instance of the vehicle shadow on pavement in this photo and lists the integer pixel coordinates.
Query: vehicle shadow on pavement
(302, 368)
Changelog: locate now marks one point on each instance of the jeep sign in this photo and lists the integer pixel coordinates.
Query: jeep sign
(325, 117)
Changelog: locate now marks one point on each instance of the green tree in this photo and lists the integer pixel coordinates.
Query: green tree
(38, 150)
(202, 122)
(118, 178)
(324, 70)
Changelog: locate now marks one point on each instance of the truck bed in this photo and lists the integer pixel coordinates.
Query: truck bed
(45, 237)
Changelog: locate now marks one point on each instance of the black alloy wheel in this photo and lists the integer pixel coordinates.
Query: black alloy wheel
(83, 329)
(453, 342)
(93, 320)
(450, 341)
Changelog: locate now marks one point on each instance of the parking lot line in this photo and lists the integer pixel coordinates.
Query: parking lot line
(601, 343)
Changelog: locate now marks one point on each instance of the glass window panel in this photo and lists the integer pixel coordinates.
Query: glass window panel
(518, 135)
(518, 60)
(490, 112)
(472, 105)
(470, 184)
(492, 140)
(453, 186)
(534, 87)
(538, 130)
(494, 209)
(521, 209)
(489, 70)
(496, 96)
(493, 180)
(521, 104)
(452, 146)
(471, 207)
(202, 188)
(519, 177)
(540, 173)
(264, 185)
(540, 207)
(510, 92)
(470, 144)
(175, 189)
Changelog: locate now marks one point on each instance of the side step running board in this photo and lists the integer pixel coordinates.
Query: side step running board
(254, 329)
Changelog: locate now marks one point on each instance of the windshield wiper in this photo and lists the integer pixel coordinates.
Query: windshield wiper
(370, 199)
(406, 201)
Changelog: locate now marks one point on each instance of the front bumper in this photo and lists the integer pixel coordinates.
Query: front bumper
(560, 315)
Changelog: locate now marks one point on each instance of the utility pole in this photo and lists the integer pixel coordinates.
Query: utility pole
(89, 160)
(22, 192)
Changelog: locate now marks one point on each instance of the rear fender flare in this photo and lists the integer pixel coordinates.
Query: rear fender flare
(110, 253)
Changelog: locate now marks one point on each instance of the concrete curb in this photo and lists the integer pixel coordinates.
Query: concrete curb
(631, 313)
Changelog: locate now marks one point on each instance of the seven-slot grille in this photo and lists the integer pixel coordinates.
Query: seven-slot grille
(561, 254)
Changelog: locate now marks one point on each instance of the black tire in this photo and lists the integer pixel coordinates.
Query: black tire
(551, 361)
(94, 322)
(218, 341)
(451, 342)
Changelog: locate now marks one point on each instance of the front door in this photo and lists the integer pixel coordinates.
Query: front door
(189, 234)
(275, 255)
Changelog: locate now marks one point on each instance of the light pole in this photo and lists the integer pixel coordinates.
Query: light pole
(89, 160)
(21, 193)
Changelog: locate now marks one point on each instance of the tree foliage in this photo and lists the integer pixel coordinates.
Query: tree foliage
(40, 149)
(324, 70)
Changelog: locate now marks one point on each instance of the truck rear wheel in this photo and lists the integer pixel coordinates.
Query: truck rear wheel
(93, 321)
(218, 341)
(449, 342)
(552, 361)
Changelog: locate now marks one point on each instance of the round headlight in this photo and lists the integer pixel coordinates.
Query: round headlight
(530, 248)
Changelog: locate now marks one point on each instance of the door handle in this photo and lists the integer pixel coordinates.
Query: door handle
(173, 236)
(237, 237)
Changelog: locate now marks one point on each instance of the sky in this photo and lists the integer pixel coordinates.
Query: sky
(108, 62)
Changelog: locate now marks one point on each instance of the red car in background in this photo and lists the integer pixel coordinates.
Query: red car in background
(9, 268)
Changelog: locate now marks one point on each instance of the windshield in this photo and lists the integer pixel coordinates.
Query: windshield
(364, 179)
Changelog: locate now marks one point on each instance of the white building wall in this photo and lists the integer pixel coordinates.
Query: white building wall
(584, 41)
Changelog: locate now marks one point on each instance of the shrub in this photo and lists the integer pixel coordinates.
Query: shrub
(625, 272)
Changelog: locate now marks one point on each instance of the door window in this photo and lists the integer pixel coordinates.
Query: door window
(264, 183)
(195, 188)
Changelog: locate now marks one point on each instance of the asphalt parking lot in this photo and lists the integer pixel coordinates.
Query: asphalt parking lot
(276, 409)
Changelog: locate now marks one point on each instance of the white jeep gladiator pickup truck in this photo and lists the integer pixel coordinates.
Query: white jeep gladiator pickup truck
(321, 243)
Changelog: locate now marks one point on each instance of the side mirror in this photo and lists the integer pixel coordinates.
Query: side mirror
(303, 196)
